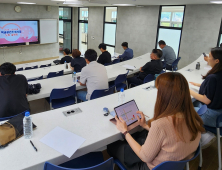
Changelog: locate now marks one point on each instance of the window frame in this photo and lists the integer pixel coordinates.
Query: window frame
(83, 21)
(105, 22)
(172, 28)
(68, 20)
(220, 35)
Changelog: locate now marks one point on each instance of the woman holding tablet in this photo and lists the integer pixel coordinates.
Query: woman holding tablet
(174, 132)
(210, 93)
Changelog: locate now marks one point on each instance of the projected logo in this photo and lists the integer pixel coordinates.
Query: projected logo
(13, 33)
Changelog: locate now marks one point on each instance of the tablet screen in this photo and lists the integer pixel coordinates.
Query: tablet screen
(127, 112)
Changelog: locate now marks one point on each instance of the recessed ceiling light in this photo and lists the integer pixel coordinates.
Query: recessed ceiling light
(216, 2)
(26, 3)
(76, 5)
(123, 4)
(72, 2)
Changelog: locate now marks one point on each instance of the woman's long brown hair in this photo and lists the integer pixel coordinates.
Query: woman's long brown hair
(217, 54)
(173, 97)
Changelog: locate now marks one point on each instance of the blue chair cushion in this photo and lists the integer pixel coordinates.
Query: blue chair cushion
(85, 161)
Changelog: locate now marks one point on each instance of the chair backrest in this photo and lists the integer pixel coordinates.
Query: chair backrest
(116, 61)
(202, 110)
(47, 65)
(7, 118)
(101, 93)
(39, 78)
(121, 78)
(178, 165)
(175, 63)
(63, 93)
(108, 64)
(106, 165)
(33, 67)
(148, 78)
(55, 74)
(19, 69)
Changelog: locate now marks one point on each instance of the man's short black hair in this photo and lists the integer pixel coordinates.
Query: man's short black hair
(161, 42)
(103, 46)
(158, 52)
(7, 68)
(91, 55)
(67, 51)
(125, 44)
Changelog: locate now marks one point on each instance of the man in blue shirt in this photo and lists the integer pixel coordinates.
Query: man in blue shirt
(128, 53)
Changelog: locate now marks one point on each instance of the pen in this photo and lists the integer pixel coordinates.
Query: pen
(147, 116)
(33, 146)
(147, 87)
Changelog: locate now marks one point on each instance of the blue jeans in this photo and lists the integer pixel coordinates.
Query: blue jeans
(81, 95)
(209, 118)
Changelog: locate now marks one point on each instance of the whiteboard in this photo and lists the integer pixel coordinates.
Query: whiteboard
(48, 31)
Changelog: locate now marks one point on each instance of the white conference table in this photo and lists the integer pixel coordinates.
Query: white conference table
(38, 72)
(35, 73)
(90, 124)
(36, 63)
(66, 80)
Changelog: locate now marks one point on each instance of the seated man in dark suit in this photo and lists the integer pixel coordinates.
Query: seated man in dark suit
(13, 91)
(67, 58)
(155, 66)
(105, 57)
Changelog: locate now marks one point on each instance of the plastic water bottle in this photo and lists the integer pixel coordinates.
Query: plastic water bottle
(121, 96)
(65, 65)
(27, 126)
(74, 76)
(198, 66)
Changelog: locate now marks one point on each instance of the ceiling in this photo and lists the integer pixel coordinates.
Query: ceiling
(110, 2)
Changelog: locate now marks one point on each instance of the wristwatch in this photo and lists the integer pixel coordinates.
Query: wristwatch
(125, 133)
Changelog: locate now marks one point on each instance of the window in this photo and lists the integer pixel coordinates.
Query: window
(172, 16)
(83, 30)
(109, 32)
(65, 28)
(220, 36)
(170, 26)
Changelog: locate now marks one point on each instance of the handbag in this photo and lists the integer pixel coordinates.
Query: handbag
(12, 130)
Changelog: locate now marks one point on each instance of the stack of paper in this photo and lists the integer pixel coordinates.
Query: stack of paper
(129, 67)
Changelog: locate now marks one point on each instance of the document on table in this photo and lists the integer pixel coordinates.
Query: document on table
(129, 67)
(63, 141)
